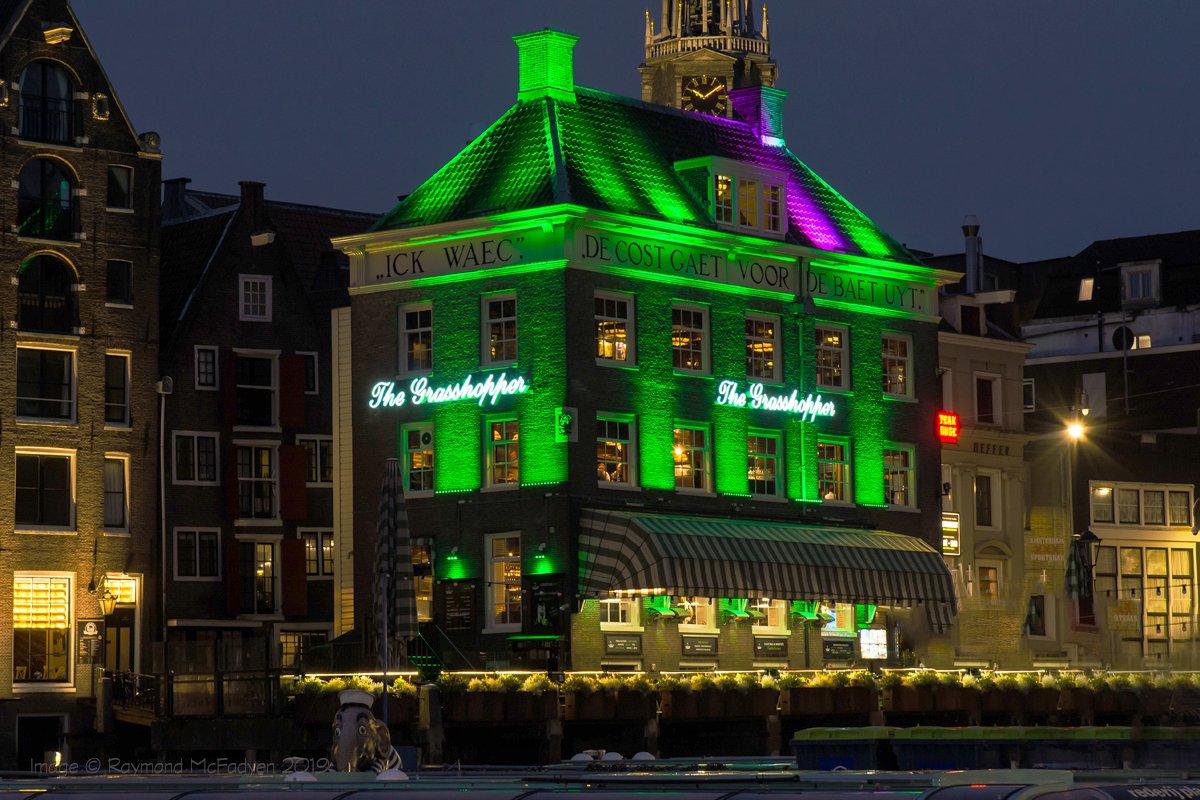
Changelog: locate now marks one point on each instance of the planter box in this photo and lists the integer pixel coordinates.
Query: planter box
(678, 704)
(757, 702)
(400, 710)
(1076, 699)
(530, 707)
(636, 705)
(1040, 702)
(473, 707)
(316, 709)
(806, 701)
(955, 699)
(908, 699)
(590, 706)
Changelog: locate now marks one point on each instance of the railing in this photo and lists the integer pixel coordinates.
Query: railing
(47, 120)
(132, 691)
(46, 218)
(687, 44)
(249, 693)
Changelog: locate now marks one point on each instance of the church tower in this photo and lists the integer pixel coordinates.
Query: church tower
(701, 50)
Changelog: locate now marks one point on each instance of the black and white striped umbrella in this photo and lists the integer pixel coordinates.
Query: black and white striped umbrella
(395, 597)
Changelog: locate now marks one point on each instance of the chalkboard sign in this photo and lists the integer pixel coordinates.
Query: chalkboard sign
(699, 645)
(546, 605)
(838, 649)
(458, 605)
(91, 641)
(625, 645)
(765, 647)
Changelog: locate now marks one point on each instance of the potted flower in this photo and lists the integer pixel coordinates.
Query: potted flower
(534, 699)
(913, 693)
(676, 700)
(584, 699)
(401, 702)
(485, 698)
(452, 694)
(749, 694)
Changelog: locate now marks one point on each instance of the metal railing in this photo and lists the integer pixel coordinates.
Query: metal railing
(133, 691)
(687, 44)
(237, 694)
(47, 120)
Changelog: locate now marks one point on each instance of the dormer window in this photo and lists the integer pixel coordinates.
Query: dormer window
(744, 198)
(1140, 283)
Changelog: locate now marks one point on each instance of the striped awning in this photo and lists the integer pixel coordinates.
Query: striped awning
(742, 558)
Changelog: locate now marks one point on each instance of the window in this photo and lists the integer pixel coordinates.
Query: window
(1086, 287)
(116, 389)
(692, 469)
(1028, 395)
(898, 477)
(762, 347)
(747, 200)
(46, 299)
(1139, 283)
(1154, 510)
(504, 581)
(45, 384)
(614, 451)
(1102, 504)
(45, 490)
(897, 361)
(987, 399)
(614, 329)
(118, 286)
(986, 507)
(46, 200)
(500, 329)
(255, 402)
(763, 465)
(195, 457)
(1037, 618)
(1128, 502)
(832, 357)
(256, 482)
(318, 553)
(41, 623)
(310, 372)
(503, 453)
(116, 492)
(254, 300)
(773, 208)
(833, 472)
(319, 450)
(620, 612)
(774, 617)
(757, 195)
(1140, 341)
(1141, 504)
(294, 645)
(422, 556)
(418, 458)
(47, 104)
(1179, 508)
(198, 554)
(206, 367)
(416, 339)
(990, 574)
(1156, 584)
(120, 187)
(689, 338)
(701, 613)
(257, 569)
(723, 199)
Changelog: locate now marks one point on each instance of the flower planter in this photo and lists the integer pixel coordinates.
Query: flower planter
(756, 702)
(1119, 702)
(1156, 703)
(400, 710)
(484, 706)
(635, 705)
(315, 709)
(807, 701)
(678, 704)
(590, 706)
(908, 699)
(955, 700)
(1076, 699)
(1039, 703)
(530, 706)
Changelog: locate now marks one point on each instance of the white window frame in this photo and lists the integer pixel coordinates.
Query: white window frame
(273, 356)
(1136, 269)
(246, 314)
(489, 453)
(420, 428)
(68, 682)
(630, 321)
(216, 354)
(1115, 487)
(320, 535)
(74, 416)
(316, 439)
(743, 177)
(402, 313)
(847, 469)
(274, 519)
(631, 451)
(708, 603)
(197, 578)
(777, 608)
(311, 355)
(633, 609)
(995, 477)
(1050, 611)
(1031, 385)
(842, 354)
(780, 492)
(123, 458)
(705, 330)
(996, 384)
(776, 347)
(54, 452)
(905, 361)
(490, 597)
(911, 489)
(485, 329)
(276, 571)
(216, 437)
(127, 422)
(706, 430)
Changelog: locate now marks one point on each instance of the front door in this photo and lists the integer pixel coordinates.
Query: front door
(118, 639)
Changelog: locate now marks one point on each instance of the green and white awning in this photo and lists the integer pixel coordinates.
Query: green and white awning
(694, 556)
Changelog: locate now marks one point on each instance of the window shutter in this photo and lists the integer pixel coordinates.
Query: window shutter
(233, 577)
(293, 470)
(295, 582)
(229, 385)
(230, 467)
(291, 391)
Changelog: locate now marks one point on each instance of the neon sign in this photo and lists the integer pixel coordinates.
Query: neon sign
(385, 394)
(947, 427)
(756, 396)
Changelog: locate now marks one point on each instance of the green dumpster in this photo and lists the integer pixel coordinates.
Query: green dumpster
(1075, 748)
(931, 747)
(1166, 748)
(844, 748)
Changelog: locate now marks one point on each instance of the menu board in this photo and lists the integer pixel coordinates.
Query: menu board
(770, 647)
(838, 649)
(629, 645)
(91, 641)
(458, 605)
(699, 645)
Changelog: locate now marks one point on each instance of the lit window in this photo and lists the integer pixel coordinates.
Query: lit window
(762, 347)
(1154, 507)
(691, 459)
(500, 330)
(255, 298)
(116, 496)
(418, 458)
(256, 562)
(1028, 395)
(44, 496)
(1140, 341)
(197, 554)
(833, 472)
(116, 389)
(255, 402)
(723, 199)
(747, 200)
(1086, 286)
(120, 187)
(701, 613)
(1102, 504)
(118, 285)
(897, 365)
(613, 451)
(257, 479)
(614, 328)
(619, 612)
(1179, 508)
(832, 357)
(762, 470)
(1139, 283)
(319, 452)
(773, 207)
(897, 476)
(195, 457)
(318, 553)
(422, 558)
(41, 621)
(1129, 506)
(689, 338)
(206, 367)
(416, 339)
(503, 450)
(774, 617)
(504, 582)
(45, 384)
(989, 574)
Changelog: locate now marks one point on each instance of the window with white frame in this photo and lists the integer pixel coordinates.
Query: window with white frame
(773, 209)
(689, 338)
(614, 328)
(195, 457)
(833, 471)
(503, 453)
(898, 484)
(1141, 504)
(1028, 395)
(310, 371)
(45, 489)
(987, 399)
(41, 621)
(500, 329)
(614, 450)
(747, 202)
(618, 613)
(318, 553)
(764, 471)
(319, 453)
(46, 384)
(254, 300)
(723, 199)
(762, 347)
(701, 614)
(987, 493)
(693, 470)
(504, 581)
(418, 458)
(416, 339)
(116, 492)
(832, 357)
(294, 645)
(257, 578)
(198, 554)
(1160, 580)
(258, 480)
(774, 617)
(897, 365)
(256, 381)
(1139, 283)
(746, 198)
(116, 389)
(206, 368)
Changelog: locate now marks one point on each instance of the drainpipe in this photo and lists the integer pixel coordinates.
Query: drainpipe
(164, 387)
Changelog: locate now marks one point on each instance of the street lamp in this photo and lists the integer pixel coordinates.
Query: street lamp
(108, 603)
(1075, 431)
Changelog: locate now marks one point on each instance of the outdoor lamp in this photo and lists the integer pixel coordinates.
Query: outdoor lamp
(108, 603)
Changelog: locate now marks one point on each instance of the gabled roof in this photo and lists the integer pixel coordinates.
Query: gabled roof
(610, 153)
(187, 248)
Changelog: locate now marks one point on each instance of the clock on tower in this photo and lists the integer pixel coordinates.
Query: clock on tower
(707, 94)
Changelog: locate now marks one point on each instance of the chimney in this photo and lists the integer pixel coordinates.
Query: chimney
(970, 229)
(174, 191)
(760, 107)
(545, 65)
(252, 203)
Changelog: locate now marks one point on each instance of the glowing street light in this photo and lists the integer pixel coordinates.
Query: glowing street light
(1075, 431)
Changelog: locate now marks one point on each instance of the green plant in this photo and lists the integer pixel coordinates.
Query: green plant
(949, 679)
(1047, 681)
(746, 681)
(890, 680)
(451, 683)
(334, 685)
(769, 682)
(579, 683)
(610, 683)
(1070, 680)
(792, 680)
(306, 686)
(727, 681)
(970, 681)
(508, 682)
(537, 683)
(985, 682)
(364, 683)
(1026, 682)
(921, 677)
(700, 682)
(1007, 681)
(862, 677)
(402, 688)
(1098, 681)
(637, 682)
(1120, 680)
(670, 683)
(1142, 681)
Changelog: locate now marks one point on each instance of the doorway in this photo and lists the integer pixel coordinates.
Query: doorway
(118, 639)
(39, 737)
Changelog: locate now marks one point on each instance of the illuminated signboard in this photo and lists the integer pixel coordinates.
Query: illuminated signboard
(872, 643)
(947, 427)
(757, 396)
(385, 394)
(949, 533)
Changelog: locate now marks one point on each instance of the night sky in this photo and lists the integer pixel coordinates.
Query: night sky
(1057, 123)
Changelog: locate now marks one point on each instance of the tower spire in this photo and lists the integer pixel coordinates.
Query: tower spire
(649, 28)
(764, 25)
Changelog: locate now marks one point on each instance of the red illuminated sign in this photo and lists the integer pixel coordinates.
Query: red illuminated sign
(947, 427)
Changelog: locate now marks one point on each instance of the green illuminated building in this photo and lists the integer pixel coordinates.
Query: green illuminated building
(664, 398)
